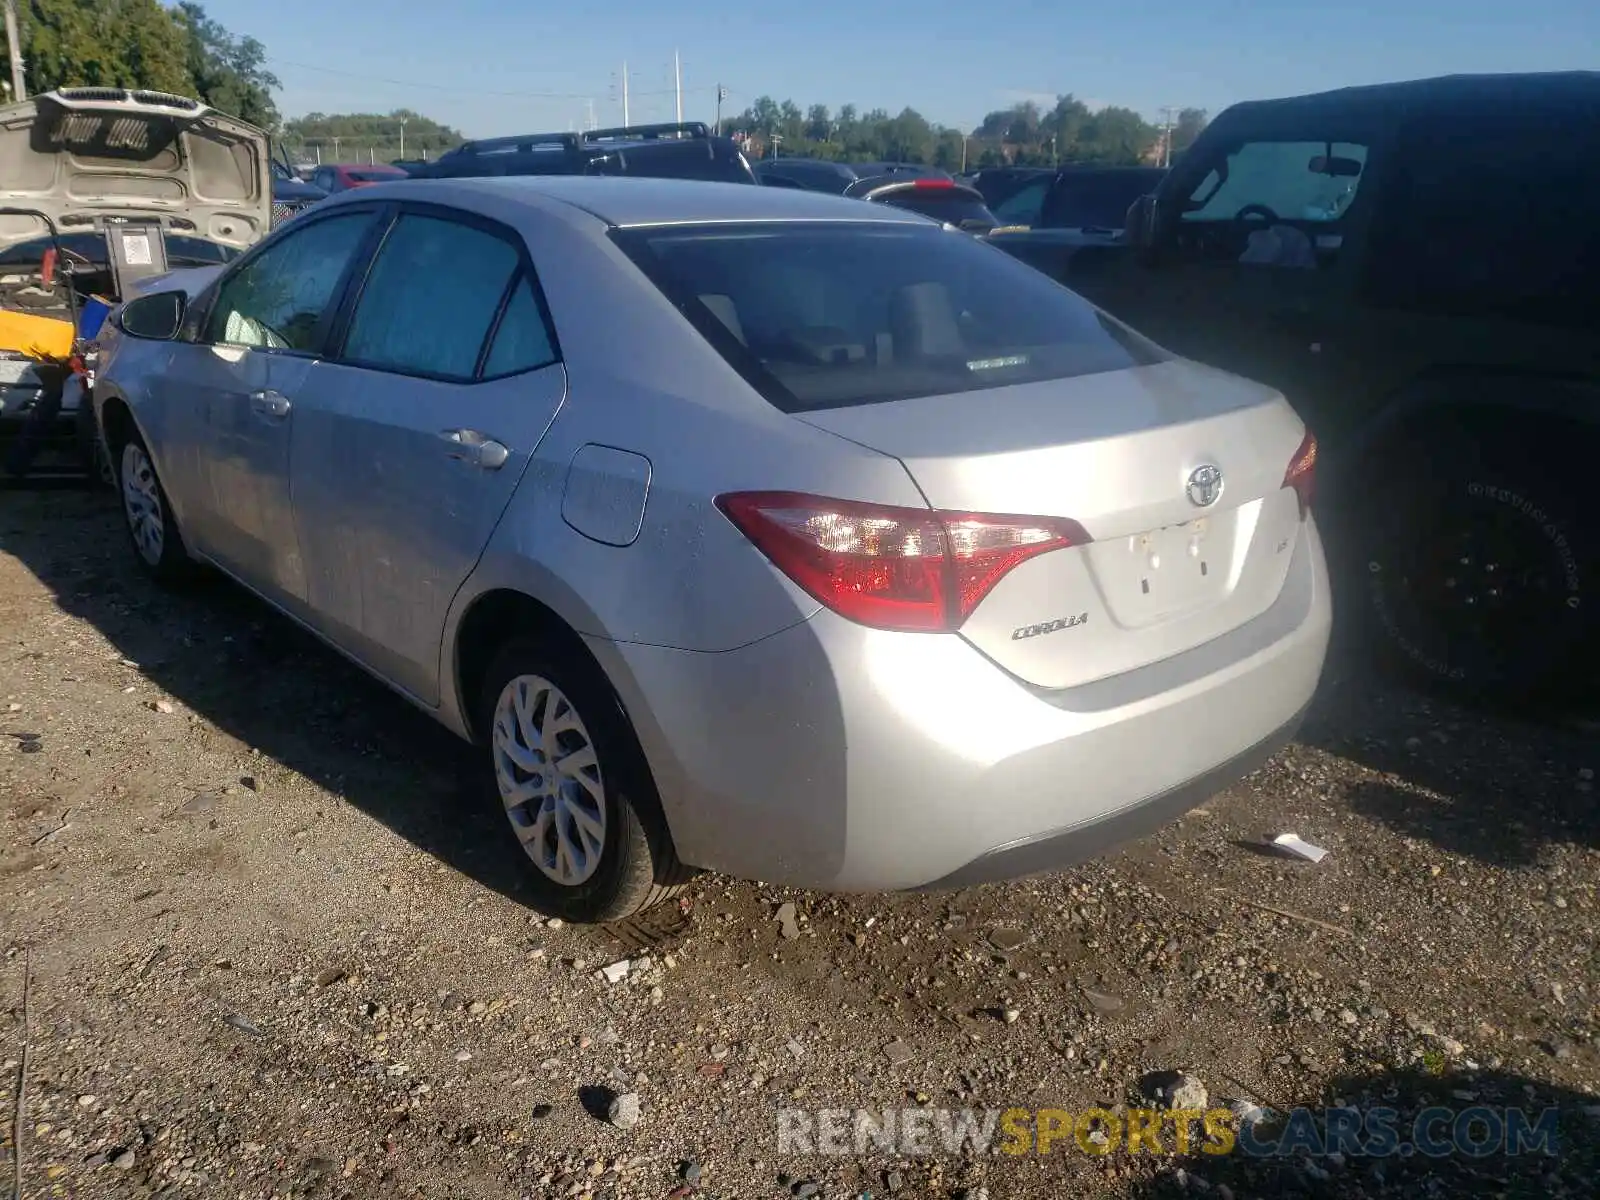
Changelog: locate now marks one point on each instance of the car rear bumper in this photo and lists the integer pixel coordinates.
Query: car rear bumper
(847, 759)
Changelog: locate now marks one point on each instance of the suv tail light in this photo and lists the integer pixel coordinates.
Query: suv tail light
(1302, 473)
(913, 569)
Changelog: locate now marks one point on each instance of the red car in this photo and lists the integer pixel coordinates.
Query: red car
(343, 177)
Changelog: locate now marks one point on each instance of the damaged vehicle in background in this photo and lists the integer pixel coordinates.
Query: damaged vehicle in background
(101, 188)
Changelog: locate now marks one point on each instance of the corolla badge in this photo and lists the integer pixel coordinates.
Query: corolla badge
(1205, 485)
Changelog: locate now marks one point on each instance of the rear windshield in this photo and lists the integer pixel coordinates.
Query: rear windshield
(836, 314)
(949, 205)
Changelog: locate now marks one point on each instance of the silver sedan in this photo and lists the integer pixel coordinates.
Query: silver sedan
(744, 529)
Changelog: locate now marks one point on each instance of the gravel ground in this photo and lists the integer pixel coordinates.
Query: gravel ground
(274, 945)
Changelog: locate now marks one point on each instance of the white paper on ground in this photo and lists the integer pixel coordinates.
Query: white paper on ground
(1294, 844)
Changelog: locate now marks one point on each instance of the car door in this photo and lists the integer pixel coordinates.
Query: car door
(1255, 267)
(234, 387)
(409, 443)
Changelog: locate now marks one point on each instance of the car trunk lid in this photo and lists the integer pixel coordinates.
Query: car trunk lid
(1133, 456)
(82, 155)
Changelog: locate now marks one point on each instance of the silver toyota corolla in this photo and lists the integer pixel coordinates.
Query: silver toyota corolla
(746, 529)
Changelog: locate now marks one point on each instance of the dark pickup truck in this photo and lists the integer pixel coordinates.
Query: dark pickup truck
(1417, 267)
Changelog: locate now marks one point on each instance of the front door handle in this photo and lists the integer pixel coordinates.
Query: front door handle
(270, 404)
(479, 449)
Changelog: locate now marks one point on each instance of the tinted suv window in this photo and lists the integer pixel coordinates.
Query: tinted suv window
(824, 315)
(1484, 221)
(1097, 200)
(431, 298)
(278, 298)
(1022, 207)
(1281, 177)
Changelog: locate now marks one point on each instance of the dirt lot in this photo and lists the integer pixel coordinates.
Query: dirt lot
(277, 948)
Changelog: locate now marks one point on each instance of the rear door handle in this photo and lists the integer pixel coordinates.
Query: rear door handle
(270, 404)
(479, 449)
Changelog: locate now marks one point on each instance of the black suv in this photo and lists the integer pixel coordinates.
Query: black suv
(1417, 267)
(671, 151)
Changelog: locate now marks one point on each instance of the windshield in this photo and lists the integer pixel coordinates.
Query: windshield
(828, 315)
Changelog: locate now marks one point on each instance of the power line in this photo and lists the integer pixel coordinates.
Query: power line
(475, 91)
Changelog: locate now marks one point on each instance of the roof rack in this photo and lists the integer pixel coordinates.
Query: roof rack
(520, 141)
(650, 133)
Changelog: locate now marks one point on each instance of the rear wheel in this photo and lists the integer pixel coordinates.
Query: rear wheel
(1472, 565)
(573, 783)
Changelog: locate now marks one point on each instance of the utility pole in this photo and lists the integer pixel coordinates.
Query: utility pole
(1166, 135)
(677, 83)
(625, 94)
(19, 89)
(403, 121)
(722, 94)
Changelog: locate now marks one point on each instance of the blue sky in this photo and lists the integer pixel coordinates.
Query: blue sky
(952, 62)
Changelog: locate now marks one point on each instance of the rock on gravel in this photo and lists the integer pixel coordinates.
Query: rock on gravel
(624, 1110)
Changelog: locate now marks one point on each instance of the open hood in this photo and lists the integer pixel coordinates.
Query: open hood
(80, 155)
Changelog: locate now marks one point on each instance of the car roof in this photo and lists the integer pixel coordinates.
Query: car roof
(632, 201)
(1415, 97)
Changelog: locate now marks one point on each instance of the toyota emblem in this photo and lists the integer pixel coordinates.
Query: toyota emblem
(1205, 485)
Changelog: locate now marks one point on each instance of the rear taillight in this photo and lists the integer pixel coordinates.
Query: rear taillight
(933, 185)
(913, 569)
(1302, 473)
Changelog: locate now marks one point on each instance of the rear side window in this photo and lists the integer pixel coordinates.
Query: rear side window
(431, 298)
(829, 315)
(1492, 218)
(1096, 201)
(522, 341)
(1022, 207)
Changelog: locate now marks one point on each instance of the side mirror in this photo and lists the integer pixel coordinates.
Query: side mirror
(1140, 223)
(154, 318)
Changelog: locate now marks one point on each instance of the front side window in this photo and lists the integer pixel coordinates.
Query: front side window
(278, 299)
(431, 297)
(1286, 181)
(844, 313)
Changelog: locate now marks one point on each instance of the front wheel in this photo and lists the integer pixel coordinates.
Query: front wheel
(153, 530)
(575, 788)
(1478, 572)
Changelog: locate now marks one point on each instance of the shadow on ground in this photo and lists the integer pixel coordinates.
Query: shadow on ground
(1497, 787)
(1468, 1153)
(263, 681)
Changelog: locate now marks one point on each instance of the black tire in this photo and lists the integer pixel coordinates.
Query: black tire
(170, 565)
(638, 866)
(1471, 565)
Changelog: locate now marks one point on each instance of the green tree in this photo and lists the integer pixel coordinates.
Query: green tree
(363, 137)
(1190, 122)
(102, 43)
(230, 73)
